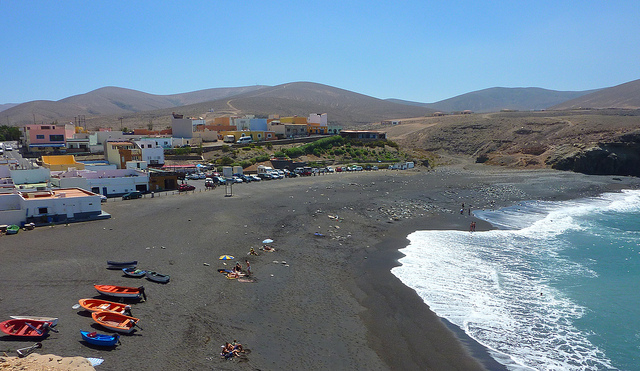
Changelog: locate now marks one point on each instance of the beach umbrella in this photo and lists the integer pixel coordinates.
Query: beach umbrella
(225, 257)
(268, 240)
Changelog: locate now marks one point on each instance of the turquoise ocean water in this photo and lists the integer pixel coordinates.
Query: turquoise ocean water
(555, 287)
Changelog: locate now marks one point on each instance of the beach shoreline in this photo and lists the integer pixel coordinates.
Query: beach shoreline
(325, 299)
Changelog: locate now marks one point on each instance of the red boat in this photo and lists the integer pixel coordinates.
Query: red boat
(121, 291)
(25, 327)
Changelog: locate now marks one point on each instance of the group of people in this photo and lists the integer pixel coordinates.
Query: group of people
(237, 270)
(230, 350)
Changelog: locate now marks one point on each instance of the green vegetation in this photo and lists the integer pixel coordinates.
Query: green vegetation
(9, 133)
(329, 150)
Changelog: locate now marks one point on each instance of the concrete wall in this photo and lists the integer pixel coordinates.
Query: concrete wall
(40, 175)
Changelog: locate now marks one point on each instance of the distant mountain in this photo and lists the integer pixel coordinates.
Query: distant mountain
(111, 101)
(302, 98)
(6, 106)
(106, 106)
(625, 96)
(496, 99)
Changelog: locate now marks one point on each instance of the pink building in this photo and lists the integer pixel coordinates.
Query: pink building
(41, 137)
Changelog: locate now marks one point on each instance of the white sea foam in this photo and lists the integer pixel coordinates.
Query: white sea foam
(498, 285)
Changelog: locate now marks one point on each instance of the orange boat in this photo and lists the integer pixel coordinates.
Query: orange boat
(121, 291)
(97, 305)
(114, 321)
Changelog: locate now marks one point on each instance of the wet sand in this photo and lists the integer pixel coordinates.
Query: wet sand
(318, 302)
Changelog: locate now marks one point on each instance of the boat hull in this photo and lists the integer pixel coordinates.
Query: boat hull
(119, 265)
(157, 277)
(97, 305)
(52, 320)
(133, 272)
(25, 328)
(100, 339)
(119, 291)
(114, 321)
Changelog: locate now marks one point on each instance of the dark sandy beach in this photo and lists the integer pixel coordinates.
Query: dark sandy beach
(317, 303)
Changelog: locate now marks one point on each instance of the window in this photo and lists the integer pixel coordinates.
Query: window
(39, 136)
(56, 138)
(43, 210)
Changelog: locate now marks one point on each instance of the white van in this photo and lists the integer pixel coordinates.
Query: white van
(244, 140)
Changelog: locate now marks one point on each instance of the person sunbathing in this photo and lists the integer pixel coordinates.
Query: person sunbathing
(252, 252)
(268, 248)
(235, 274)
(227, 351)
(237, 346)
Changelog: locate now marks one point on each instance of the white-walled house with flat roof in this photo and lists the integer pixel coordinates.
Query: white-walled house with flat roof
(152, 153)
(110, 182)
(52, 206)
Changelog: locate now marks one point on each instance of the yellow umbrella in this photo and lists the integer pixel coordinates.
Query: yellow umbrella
(225, 257)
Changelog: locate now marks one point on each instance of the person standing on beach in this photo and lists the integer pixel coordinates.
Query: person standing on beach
(248, 268)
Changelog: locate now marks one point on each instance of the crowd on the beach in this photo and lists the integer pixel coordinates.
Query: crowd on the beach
(230, 350)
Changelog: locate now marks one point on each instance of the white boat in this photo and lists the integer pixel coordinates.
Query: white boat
(53, 320)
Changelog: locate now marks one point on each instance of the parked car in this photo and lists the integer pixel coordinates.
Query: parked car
(265, 176)
(246, 178)
(103, 198)
(185, 187)
(132, 195)
(219, 180)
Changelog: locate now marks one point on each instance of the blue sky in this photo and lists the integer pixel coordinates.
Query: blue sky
(422, 51)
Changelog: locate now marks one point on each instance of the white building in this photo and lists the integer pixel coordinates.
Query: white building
(320, 119)
(111, 182)
(152, 153)
(43, 207)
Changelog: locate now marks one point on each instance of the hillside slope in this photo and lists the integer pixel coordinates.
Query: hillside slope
(592, 142)
(626, 96)
(496, 99)
(110, 101)
(299, 98)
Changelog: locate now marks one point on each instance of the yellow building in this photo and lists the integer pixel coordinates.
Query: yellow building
(61, 163)
(293, 120)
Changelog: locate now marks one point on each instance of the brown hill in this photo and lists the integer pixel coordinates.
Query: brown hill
(626, 96)
(496, 99)
(593, 142)
(110, 101)
(298, 98)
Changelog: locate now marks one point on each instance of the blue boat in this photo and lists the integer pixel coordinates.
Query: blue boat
(100, 339)
(119, 265)
(134, 272)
